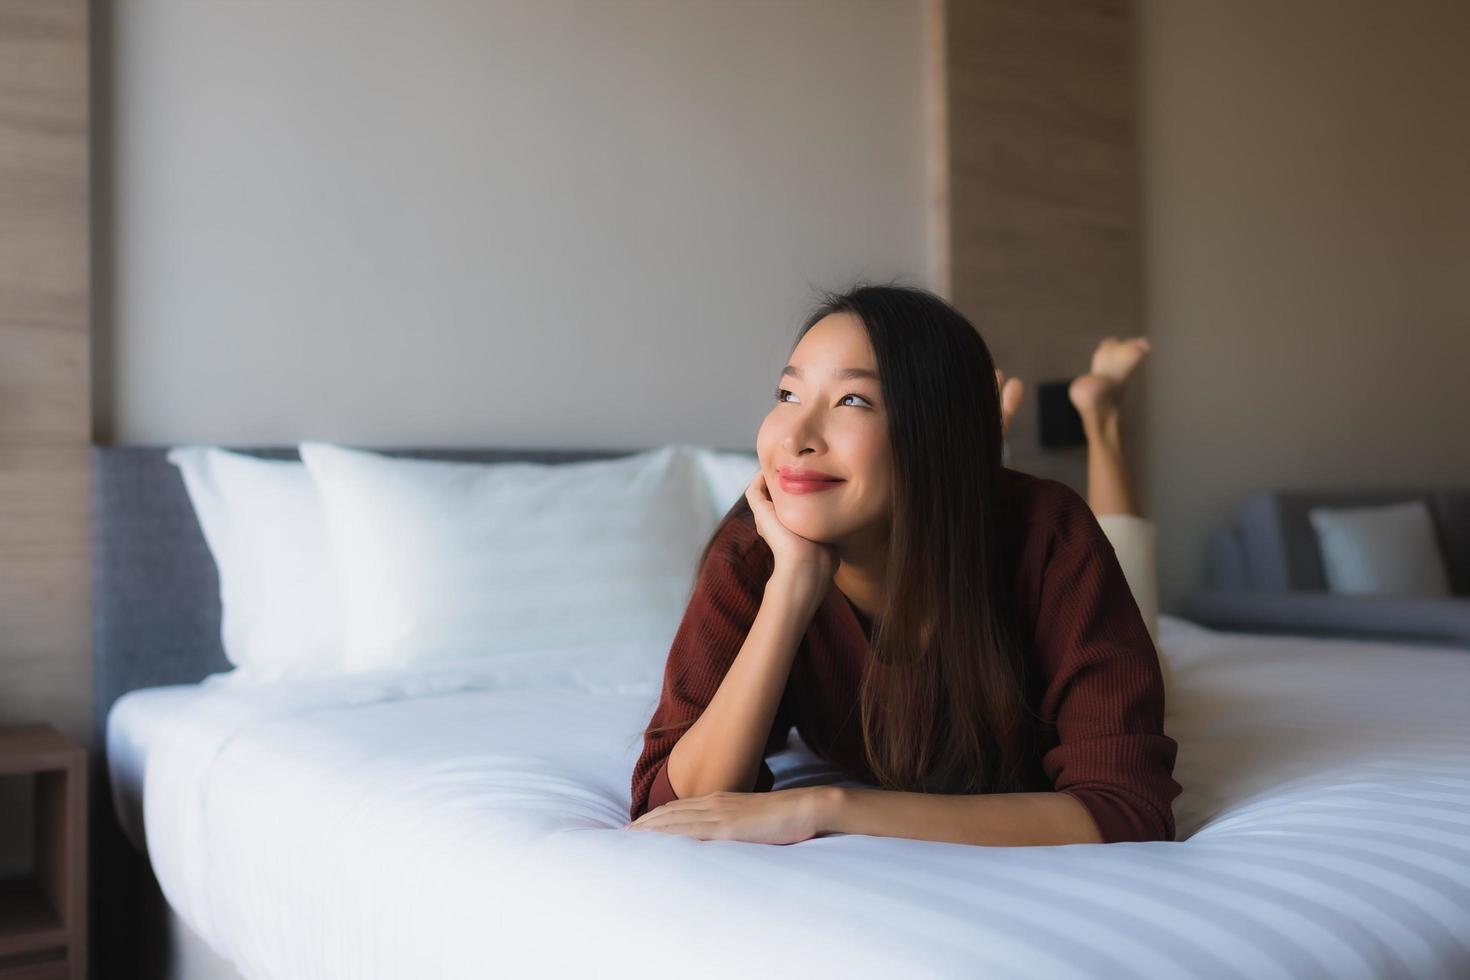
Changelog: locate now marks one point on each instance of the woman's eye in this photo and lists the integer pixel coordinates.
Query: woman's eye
(851, 394)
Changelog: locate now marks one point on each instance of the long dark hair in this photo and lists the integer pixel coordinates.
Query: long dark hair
(944, 704)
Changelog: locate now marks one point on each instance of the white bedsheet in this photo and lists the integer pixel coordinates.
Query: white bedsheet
(132, 726)
(467, 823)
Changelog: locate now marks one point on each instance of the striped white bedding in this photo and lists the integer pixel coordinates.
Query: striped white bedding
(467, 823)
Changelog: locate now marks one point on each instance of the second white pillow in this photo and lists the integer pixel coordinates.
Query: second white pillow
(444, 560)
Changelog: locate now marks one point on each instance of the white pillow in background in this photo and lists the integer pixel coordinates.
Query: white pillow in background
(726, 476)
(265, 528)
(440, 560)
(1382, 550)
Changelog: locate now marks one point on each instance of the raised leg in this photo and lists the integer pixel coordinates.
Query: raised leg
(1098, 397)
(1011, 393)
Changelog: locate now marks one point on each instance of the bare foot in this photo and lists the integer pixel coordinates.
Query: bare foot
(1100, 390)
(1011, 393)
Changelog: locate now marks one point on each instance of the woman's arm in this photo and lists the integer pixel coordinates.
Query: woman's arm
(995, 819)
(723, 749)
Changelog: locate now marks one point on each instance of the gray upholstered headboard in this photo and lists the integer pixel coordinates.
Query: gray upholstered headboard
(155, 590)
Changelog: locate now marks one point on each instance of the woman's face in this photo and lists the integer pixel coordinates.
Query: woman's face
(828, 416)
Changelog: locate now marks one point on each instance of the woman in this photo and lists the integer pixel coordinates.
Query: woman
(957, 635)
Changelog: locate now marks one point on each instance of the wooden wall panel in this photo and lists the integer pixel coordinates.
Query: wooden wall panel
(45, 326)
(1043, 204)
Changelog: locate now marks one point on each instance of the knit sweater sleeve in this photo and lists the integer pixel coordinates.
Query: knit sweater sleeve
(1104, 696)
(727, 595)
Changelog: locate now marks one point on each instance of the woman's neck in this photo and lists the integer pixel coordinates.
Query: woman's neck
(860, 576)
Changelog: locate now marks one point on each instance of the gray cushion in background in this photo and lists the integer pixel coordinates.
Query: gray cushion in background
(1278, 546)
(1226, 560)
(1264, 573)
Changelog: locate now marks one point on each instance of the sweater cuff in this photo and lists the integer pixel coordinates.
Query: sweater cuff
(1118, 820)
(662, 791)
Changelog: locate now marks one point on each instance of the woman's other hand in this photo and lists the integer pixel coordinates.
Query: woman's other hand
(785, 816)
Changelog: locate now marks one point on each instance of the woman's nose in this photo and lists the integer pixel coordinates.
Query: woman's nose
(804, 433)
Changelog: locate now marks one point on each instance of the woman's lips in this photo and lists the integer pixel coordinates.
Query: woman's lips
(808, 486)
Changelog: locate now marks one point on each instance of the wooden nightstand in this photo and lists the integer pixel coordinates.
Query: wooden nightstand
(43, 915)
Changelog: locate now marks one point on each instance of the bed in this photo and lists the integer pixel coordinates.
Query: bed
(465, 820)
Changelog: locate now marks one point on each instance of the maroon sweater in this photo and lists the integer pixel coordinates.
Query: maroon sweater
(1097, 685)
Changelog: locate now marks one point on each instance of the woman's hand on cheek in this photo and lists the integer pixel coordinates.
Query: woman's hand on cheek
(777, 817)
(793, 553)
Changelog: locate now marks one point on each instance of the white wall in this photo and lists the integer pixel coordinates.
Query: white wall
(492, 222)
(1307, 237)
(560, 222)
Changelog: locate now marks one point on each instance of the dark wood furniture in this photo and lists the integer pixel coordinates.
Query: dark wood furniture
(43, 915)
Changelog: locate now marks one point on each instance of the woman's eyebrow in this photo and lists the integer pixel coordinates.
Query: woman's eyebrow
(852, 372)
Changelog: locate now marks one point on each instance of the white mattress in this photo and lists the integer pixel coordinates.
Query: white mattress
(467, 822)
(132, 726)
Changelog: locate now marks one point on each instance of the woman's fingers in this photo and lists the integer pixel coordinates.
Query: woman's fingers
(757, 487)
(673, 806)
(703, 829)
(760, 498)
(674, 810)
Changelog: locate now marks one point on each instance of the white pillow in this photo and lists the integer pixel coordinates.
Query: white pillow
(726, 476)
(1384, 550)
(264, 526)
(441, 560)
